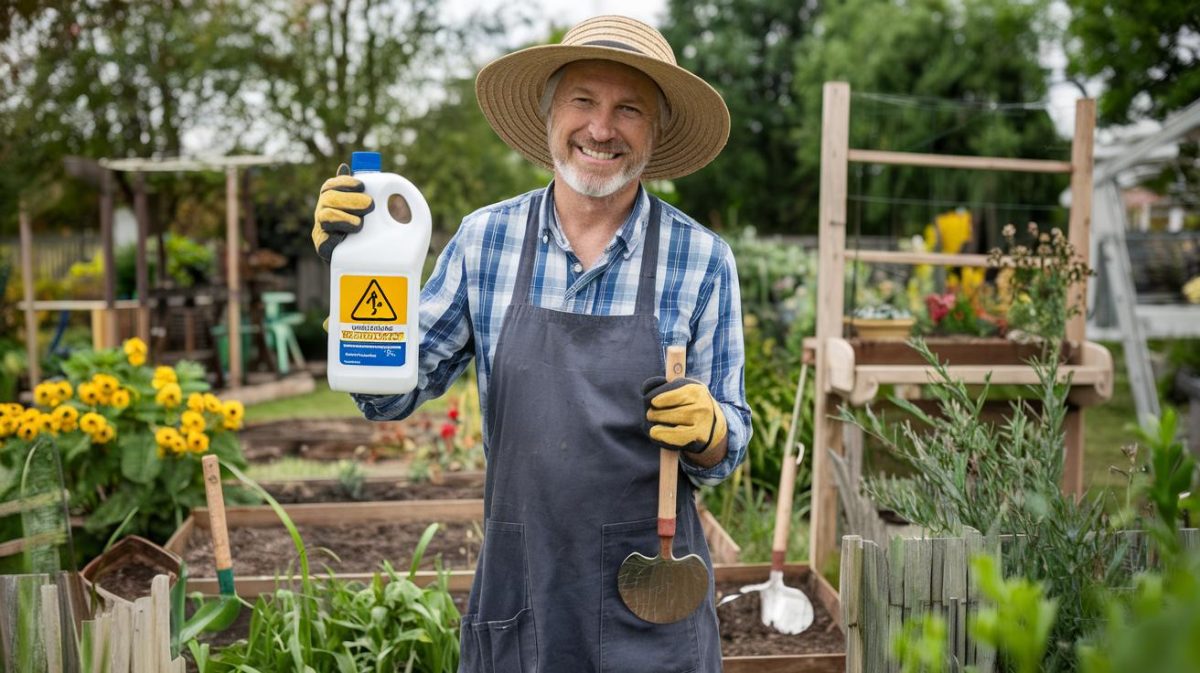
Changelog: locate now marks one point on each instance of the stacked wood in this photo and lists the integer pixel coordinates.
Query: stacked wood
(42, 629)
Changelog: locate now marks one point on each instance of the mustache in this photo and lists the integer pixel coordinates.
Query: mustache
(611, 146)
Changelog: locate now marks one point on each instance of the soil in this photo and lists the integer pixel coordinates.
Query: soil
(346, 548)
(299, 491)
(339, 438)
(130, 581)
(744, 634)
(742, 631)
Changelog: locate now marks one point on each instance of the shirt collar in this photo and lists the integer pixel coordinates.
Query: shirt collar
(629, 236)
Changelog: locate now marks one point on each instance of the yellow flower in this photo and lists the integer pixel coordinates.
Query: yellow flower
(92, 422)
(11, 409)
(164, 376)
(192, 421)
(212, 403)
(8, 425)
(178, 445)
(28, 430)
(47, 423)
(230, 424)
(195, 402)
(234, 412)
(45, 394)
(89, 394)
(169, 395)
(30, 415)
(1191, 290)
(64, 390)
(120, 398)
(107, 384)
(104, 435)
(68, 418)
(197, 442)
(165, 436)
(136, 349)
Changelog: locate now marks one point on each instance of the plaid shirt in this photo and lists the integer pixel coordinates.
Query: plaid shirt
(463, 304)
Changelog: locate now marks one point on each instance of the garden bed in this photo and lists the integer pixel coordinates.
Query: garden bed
(747, 645)
(359, 536)
(454, 486)
(332, 439)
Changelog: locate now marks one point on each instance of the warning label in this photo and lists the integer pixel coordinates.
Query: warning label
(373, 316)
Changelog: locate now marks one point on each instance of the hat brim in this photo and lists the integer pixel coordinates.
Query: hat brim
(509, 91)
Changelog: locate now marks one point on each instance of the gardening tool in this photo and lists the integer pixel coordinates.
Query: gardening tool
(784, 608)
(215, 615)
(664, 589)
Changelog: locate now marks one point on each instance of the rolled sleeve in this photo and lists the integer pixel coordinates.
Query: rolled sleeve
(717, 356)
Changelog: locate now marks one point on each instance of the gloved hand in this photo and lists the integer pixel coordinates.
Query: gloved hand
(682, 414)
(340, 211)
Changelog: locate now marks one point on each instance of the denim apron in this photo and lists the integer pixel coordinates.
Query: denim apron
(572, 489)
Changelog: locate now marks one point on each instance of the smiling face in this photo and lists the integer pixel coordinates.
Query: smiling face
(602, 126)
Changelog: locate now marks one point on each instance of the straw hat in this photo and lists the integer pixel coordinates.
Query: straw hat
(510, 88)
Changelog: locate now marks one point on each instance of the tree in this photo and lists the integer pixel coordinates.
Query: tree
(746, 50)
(1146, 55)
(966, 80)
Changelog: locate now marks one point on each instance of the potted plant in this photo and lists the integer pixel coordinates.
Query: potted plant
(882, 322)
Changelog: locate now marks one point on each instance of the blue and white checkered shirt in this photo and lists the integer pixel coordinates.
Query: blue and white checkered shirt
(699, 304)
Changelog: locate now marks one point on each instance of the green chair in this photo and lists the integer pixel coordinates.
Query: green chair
(280, 333)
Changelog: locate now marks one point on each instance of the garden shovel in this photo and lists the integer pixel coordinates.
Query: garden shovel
(785, 609)
(664, 589)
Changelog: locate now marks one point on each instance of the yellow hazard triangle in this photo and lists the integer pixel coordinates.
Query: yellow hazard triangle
(373, 305)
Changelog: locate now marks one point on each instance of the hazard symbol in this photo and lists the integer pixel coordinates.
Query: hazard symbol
(374, 299)
(373, 305)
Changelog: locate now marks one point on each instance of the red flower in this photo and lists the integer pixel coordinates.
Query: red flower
(939, 305)
(448, 431)
(453, 413)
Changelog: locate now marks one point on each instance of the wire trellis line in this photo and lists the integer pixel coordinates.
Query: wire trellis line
(864, 198)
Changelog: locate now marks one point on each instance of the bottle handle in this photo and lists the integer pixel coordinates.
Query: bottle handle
(419, 227)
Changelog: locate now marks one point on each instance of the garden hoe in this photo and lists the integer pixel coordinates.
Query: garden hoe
(785, 609)
(664, 589)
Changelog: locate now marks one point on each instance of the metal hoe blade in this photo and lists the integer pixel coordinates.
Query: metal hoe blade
(662, 590)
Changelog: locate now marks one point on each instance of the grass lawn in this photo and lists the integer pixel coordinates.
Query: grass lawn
(326, 403)
(1105, 430)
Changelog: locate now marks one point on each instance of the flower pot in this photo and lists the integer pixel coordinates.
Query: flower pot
(118, 573)
(882, 328)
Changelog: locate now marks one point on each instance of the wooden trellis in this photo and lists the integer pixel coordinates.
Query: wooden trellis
(843, 379)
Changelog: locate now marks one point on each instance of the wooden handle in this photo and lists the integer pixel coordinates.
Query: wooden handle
(787, 481)
(216, 523)
(668, 462)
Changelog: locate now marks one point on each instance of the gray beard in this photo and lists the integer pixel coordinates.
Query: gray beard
(596, 187)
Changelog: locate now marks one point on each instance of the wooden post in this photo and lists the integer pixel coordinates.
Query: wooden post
(1080, 227)
(233, 260)
(142, 213)
(835, 147)
(1073, 439)
(27, 280)
(110, 265)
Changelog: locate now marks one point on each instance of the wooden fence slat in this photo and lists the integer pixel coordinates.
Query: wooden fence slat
(160, 592)
(51, 628)
(880, 631)
(852, 597)
(916, 577)
(954, 592)
(122, 637)
(937, 548)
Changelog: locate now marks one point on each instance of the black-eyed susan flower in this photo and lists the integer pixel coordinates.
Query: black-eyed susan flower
(212, 403)
(91, 422)
(68, 418)
(165, 436)
(135, 351)
(195, 402)
(104, 435)
(64, 391)
(107, 384)
(164, 376)
(45, 394)
(169, 395)
(197, 442)
(192, 421)
(28, 430)
(120, 398)
(89, 394)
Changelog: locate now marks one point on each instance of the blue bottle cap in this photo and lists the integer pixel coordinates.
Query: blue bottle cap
(365, 161)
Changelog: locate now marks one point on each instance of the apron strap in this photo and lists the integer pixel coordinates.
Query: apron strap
(646, 275)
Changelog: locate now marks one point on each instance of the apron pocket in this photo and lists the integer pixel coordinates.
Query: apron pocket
(506, 646)
(628, 644)
(503, 572)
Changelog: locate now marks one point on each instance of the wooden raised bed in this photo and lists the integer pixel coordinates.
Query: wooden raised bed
(360, 513)
(955, 350)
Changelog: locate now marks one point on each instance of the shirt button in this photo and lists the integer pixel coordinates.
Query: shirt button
(545, 238)
(578, 268)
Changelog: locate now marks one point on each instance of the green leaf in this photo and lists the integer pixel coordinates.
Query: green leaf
(225, 445)
(139, 458)
(112, 510)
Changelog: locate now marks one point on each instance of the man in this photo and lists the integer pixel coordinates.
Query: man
(567, 297)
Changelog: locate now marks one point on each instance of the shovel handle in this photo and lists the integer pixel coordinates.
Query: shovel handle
(787, 481)
(668, 463)
(216, 524)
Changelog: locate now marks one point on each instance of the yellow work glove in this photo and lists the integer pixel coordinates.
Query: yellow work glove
(682, 415)
(340, 211)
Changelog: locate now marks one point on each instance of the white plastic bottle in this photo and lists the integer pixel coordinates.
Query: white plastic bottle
(374, 287)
